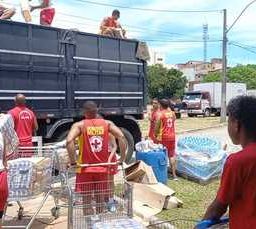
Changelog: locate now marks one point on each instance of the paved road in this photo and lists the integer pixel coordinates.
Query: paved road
(220, 133)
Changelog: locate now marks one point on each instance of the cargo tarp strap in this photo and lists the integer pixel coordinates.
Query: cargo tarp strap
(142, 51)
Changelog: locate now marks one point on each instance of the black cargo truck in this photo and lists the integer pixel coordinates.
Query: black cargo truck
(58, 70)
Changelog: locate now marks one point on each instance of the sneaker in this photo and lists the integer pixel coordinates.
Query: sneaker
(175, 179)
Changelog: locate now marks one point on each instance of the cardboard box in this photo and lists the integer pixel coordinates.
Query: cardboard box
(141, 173)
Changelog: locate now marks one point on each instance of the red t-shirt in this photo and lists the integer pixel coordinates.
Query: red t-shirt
(93, 144)
(238, 188)
(24, 123)
(110, 22)
(167, 130)
(152, 127)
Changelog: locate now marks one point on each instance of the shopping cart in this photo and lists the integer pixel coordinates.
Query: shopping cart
(59, 181)
(100, 203)
(190, 224)
(29, 177)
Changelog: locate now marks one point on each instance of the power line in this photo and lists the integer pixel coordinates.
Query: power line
(126, 25)
(134, 27)
(181, 41)
(242, 47)
(245, 45)
(147, 9)
(240, 15)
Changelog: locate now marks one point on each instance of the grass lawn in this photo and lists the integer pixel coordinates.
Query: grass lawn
(185, 124)
(195, 199)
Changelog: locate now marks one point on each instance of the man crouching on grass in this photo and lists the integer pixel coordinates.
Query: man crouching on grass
(238, 183)
(93, 132)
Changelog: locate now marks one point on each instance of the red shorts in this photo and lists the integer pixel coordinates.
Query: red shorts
(3, 190)
(46, 16)
(88, 183)
(170, 146)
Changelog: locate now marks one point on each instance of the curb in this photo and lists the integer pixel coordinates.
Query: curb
(205, 128)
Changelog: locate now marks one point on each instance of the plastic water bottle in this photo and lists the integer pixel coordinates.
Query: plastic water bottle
(112, 205)
(94, 217)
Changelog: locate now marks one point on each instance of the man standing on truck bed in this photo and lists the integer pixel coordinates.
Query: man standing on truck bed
(25, 123)
(6, 11)
(165, 132)
(111, 27)
(47, 12)
(93, 133)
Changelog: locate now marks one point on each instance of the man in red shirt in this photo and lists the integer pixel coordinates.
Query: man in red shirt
(25, 123)
(111, 27)
(93, 133)
(153, 119)
(165, 132)
(238, 183)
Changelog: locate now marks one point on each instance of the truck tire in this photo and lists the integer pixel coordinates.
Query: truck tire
(178, 115)
(207, 113)
(62, 136)
(191, 115)
(130, 144)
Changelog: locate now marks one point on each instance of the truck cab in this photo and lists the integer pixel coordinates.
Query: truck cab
(197, 103)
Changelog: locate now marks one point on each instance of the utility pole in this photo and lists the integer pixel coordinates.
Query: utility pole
(224, 58)
(205, 39)
(224, 70)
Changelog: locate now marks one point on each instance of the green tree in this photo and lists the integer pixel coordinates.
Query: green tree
(212, 77)
(163, 82)
(239, 74)
(243, 74)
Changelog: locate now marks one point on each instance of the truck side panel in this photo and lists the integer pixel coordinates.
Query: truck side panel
(110, 75)
(31, 66)
(59, 69)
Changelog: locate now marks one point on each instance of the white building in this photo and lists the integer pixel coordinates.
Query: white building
(157, 58)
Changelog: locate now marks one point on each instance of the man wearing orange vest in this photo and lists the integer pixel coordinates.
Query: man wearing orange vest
(93, 132)
(165, 132)
(111, 27)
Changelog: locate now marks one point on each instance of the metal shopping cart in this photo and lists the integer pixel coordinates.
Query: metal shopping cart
(59, 181)
(29, 177)
(190, 224)
(100, 203)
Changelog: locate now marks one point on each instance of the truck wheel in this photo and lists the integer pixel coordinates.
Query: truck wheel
(217, 114)
(62, 136)
(191, 115)
(178, 115)
(130, 143)
(207, 113)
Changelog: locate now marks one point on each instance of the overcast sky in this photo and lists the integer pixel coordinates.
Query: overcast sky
(177, 35)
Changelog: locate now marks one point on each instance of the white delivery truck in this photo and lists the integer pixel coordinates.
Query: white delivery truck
(205, 99)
